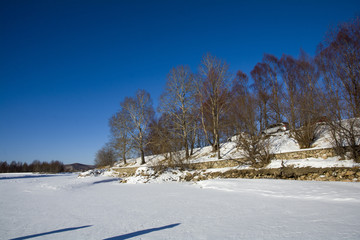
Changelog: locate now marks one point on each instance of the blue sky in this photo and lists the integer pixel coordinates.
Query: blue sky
(66, 65)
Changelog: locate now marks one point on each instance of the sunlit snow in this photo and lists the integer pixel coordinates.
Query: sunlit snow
(67, 207)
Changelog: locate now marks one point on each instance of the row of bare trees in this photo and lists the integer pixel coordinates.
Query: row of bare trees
(207, 107)
(35, 166)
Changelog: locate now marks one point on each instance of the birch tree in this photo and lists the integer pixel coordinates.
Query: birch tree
(213, 96)
(177, 101)
(120, 133)
(140, 112)
(339, 61)
(288, 65)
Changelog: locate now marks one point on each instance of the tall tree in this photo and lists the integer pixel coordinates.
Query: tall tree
(239, 93)
(213, 96)
(273, 71)
(120, 135)
(177, 101)
(307, 101)
(339, 61)
(140, 112)
(163, 140)
(308, 93)
(288, 66)
(262, 88)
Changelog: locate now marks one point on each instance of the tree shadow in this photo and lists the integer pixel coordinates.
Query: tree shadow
(229, 151)
(51, 232)
(142, 232)
(107, 180)
(27, 176)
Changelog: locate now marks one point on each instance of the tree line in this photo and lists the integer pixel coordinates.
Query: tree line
(209, 106)
(35, 166)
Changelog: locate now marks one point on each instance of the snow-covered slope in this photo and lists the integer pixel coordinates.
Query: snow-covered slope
(280, 142)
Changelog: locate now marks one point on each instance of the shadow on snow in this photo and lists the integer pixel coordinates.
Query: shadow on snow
(52, 232)
(27, 176)
(142, 232)
(107, 180)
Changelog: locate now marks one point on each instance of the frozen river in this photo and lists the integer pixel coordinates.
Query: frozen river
(66, 207)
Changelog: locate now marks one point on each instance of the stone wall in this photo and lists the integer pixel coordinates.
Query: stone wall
(216, 164)
(301, 154)
(312, 174)
(125, 171)
(307, 153)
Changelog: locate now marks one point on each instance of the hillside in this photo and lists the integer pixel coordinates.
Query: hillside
(319, 163)
(280, 143)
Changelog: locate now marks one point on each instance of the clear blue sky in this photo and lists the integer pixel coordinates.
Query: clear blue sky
(66, 65)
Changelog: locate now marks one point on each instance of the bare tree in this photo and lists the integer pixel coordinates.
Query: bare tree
(105, 156)
(177, 101)
(195, 129)
(213, 96)
(140, 112)
(339, 60)
(268, 89)
(346, 137)
(287, 66)
(161, 137)
(307, 101)
(254, 145)
(239, 93)
(262, 88)
(273, 71)
(120, 136)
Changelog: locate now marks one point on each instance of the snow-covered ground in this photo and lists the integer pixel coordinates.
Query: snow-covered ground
(67, 207)
(313, 162)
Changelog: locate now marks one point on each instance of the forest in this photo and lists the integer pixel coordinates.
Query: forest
(210, 105)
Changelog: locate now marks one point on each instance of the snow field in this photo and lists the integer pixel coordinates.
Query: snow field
(67, 207)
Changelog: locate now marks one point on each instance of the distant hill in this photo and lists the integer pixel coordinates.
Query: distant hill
(77, 167)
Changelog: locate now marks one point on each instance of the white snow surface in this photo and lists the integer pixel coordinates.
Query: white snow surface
(67, 207)
(313, 162)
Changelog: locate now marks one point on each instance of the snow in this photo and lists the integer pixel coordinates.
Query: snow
(107, 172)
(67, 207)
(148, 175)
(324, 140)
(313, 162)
(282, 142)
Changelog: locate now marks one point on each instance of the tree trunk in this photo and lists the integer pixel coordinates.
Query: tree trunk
(218, 153)
(186, 149)
(192, 147)
(142, 157)
(124, 157)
